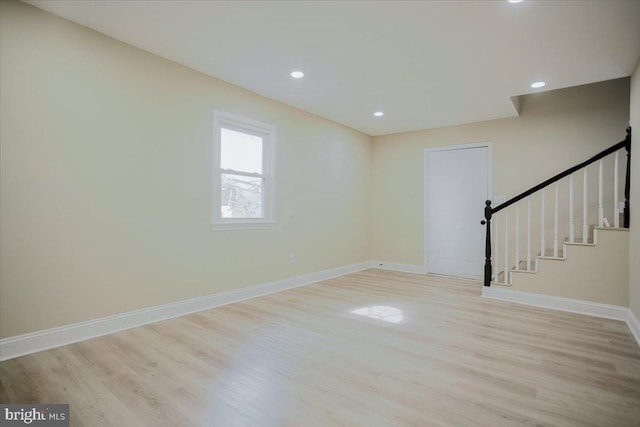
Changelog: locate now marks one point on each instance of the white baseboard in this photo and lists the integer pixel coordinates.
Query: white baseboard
(69, 334)
(404, 268)
(634, 325)
(615, 312)
(607, 311)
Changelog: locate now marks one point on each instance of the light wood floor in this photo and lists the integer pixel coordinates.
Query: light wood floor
(302, 358)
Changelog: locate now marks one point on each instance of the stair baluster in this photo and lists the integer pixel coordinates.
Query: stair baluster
(496, 251)
(516, 260)
(572, 225)
(529, 234)
(555, 224)
(543, 243)
(600, 195)
(506, 248)
(585, 226)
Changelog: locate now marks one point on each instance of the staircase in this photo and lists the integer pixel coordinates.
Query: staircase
(567, 236)
(595, 271)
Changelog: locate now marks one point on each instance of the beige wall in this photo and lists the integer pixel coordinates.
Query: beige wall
(634, 237)
(575, 277)
(105, 177)
(106, 154)
(555, 130)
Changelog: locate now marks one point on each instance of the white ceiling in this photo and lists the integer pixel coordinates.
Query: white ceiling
(425, 64)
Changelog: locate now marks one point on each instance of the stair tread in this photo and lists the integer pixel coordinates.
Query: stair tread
(522, 266)
(579, 242)
(548, 253)
(524, 271)
(612, 228)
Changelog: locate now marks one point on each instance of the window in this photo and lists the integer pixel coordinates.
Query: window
(243, 177)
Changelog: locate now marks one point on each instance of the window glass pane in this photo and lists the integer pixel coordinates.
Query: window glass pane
(240, 151)
(241, 196)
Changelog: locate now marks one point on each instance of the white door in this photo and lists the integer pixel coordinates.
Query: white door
(456, 188)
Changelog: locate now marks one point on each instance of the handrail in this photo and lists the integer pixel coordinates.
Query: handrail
(622, 144)
(489, 211)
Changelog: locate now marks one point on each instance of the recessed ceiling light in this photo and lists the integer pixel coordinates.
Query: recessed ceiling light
(378, 114)
(515, 1)
(537, 85)
(297, 74)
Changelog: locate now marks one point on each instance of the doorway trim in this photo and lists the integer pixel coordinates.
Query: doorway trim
(425, 195)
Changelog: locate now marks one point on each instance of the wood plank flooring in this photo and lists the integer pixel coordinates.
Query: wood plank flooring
(374, 348)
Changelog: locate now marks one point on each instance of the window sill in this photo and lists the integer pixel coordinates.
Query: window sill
(243, 225)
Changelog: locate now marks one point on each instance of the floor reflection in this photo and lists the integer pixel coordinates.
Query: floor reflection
(380, 312)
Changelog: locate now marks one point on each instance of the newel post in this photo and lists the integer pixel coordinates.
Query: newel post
(627, 183)
(487, 248)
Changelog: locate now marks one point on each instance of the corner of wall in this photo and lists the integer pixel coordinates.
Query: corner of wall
(634, 236)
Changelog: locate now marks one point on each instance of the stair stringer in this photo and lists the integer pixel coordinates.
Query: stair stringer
(597, 272)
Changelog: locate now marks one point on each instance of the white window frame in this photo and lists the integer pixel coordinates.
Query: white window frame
(234, 122)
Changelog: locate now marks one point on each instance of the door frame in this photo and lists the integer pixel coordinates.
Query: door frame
(457, 147)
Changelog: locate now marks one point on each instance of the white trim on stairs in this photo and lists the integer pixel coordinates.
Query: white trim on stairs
(556, 303)
(42, 340)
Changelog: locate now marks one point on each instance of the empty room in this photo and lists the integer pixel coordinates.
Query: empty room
(319, 213)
